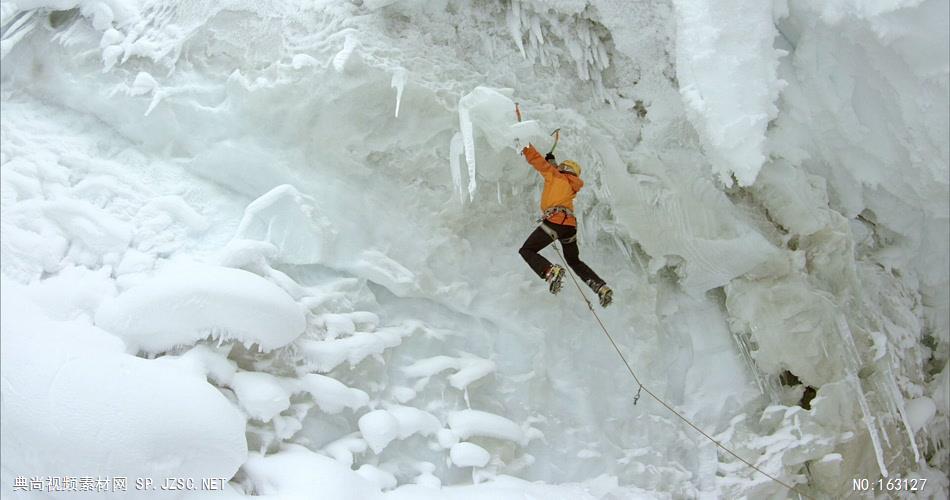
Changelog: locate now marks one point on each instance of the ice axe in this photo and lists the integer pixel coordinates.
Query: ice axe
(556, 134)
(518, 115)
(557, 137)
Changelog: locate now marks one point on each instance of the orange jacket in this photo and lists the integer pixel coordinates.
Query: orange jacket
(559, 188)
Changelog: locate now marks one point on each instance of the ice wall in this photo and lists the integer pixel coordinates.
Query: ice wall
(726, 69)
(303, 162)
(860, 133)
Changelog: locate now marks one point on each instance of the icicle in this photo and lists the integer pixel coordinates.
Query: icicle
(468, 138)
(17, 31)
(869, 423)
(578, 55)
(604, 58)
(742, 343)
(513, 18)
(455, 151)
(536, 29)
(897, 402)
(852, 359)
(883, 432)
(398, 83)
(498, 187)
(156, 99)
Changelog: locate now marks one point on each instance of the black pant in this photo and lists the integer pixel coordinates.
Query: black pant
(540, 239)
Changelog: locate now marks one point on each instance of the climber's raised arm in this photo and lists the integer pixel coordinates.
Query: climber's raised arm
(537, 161)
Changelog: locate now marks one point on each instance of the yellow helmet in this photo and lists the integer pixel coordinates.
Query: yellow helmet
(572, 166)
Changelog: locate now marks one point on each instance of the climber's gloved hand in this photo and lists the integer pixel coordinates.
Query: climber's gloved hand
(549, 157)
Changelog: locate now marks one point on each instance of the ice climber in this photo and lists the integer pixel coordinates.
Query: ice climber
(561, 184)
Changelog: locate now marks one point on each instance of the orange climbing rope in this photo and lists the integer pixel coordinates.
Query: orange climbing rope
(642, 387)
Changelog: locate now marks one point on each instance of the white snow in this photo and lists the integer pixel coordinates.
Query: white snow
(342, 449)
(468, 423)
(920, 412)
(344, 57)
(403, 394)
(337, 325)
(261, 395)
(303, 60)
(331, 395)
(72, 293)
(381, 478)
(414, 421)
(183, 304)
(468, 369)
(726, 68)
(469, 455)
(288, 220)
(326, 355)
(297, 473)
(379, 428)
(82, 406)
(144, 84)
(212, 362)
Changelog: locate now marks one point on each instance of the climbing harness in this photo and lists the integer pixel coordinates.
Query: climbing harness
(554, 236)
(554, 210)
(549, 231)
(654, 396)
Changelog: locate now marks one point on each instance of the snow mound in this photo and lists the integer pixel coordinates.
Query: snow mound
(920, 411)
(185, 303)
(298, 473)
(261, 395)
(295, 473)
(328, 354)
(332, 395)
(469, 455)
(381, 478)
(510, 488)
(81, 406)
(468, 369)
(380, 427)
(468, 423)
